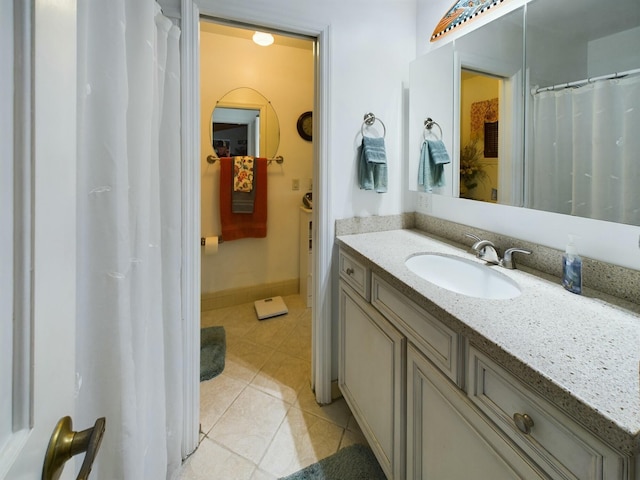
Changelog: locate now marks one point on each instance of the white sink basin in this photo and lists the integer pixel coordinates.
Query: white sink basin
(463, 276)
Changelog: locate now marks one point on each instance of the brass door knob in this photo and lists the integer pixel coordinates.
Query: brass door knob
(65, 443)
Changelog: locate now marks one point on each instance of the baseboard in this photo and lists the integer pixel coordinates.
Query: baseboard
(236, 296)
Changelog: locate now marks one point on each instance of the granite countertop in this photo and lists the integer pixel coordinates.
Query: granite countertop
(581, 352)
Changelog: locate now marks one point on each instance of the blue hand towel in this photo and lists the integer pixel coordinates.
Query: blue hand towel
(433, 155)
(372, 166)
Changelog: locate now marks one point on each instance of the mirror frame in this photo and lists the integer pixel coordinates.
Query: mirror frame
(264, 120)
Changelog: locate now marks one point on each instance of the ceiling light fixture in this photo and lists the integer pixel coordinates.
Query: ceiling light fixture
(263, 39)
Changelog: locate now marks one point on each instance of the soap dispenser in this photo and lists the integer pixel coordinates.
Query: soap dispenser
(572, 268)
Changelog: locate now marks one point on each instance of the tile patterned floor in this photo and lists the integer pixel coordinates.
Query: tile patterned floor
(259, 418)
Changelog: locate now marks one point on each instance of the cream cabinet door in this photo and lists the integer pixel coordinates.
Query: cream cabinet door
(371, 378)
(447, 438)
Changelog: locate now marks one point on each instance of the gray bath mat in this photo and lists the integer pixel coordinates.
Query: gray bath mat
(213, 347)
(356, 462)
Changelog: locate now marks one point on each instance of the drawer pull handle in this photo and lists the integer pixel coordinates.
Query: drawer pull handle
(349, 271)
(524, 422)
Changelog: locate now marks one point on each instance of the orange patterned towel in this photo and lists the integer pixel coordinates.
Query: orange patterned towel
(242, 174)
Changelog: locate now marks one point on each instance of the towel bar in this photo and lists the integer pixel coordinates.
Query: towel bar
(369, 119)
(279, 160)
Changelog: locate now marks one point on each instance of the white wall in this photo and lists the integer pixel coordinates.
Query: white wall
(371, 45)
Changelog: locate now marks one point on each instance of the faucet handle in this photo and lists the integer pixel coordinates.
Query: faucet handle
(508, 261)
(471, 235)
(476, 239)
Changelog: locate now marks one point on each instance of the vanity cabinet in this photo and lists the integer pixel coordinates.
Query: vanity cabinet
(371, 378)
(434, 406)
(449, 439)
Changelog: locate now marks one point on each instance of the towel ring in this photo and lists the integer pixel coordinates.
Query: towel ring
(428, 125)
(369, 119)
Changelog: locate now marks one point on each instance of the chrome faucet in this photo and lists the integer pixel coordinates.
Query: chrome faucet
(485, 250)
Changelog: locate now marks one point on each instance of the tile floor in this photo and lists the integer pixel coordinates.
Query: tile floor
(259, 418)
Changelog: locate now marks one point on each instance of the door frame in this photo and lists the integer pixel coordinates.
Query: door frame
(322, 215)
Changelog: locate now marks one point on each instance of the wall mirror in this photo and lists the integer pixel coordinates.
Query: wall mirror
(244, 122)
(561, 131)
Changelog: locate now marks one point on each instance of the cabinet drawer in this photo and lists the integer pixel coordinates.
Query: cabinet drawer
(437, 341)
(355, 274)
(555, 441)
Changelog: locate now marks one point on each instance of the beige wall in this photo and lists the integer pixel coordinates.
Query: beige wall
(285, 76)
(476, 89)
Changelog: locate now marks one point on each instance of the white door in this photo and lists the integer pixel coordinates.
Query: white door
(43, 350)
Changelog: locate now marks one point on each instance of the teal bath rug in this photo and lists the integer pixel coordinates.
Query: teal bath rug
(213, 347)
(356, 462)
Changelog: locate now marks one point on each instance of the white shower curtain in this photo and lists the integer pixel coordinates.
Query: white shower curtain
(129, 343)
(585, 158)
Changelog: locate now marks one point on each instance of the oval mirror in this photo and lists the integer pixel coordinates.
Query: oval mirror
(244, 122)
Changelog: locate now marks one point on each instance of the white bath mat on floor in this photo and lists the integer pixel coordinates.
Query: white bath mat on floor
(270, 307)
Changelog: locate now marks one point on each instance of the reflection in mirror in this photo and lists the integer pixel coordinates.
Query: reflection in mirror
(583, 122)
(236, 132)
(431, 90)
(479, 134)
(489, 64)
(244, 123)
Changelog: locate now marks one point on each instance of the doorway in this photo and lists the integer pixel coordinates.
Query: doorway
(250, 99)
(295, 176)
(279, 80)
(322, 210)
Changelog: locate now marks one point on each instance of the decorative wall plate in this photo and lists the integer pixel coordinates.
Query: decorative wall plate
(460, 12)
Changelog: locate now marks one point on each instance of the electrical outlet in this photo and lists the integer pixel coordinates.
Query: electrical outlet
(295, 184)
(424, 202)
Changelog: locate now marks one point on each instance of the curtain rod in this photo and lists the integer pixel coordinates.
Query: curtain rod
(580, 83)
